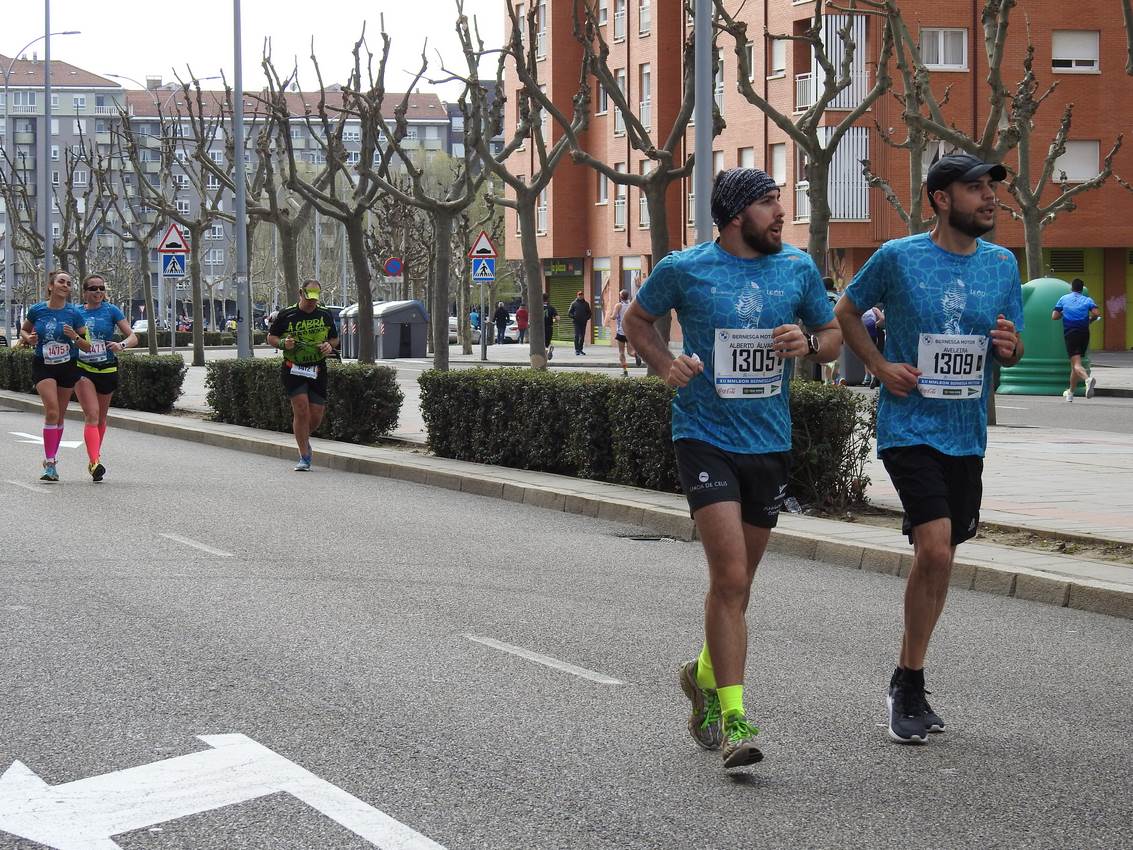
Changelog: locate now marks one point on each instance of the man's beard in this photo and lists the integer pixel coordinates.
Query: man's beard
(966, 224)
(760, 241)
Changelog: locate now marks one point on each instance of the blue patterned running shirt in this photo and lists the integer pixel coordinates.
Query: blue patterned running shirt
(714, 291)
(53, 346)
(925, 290)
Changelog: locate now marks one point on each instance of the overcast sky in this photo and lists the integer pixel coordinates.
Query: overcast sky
(153, 37)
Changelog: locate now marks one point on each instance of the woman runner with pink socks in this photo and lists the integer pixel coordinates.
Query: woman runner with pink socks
(52, 328)
(98, 368)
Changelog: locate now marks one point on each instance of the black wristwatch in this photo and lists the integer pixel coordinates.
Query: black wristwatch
(811, 345)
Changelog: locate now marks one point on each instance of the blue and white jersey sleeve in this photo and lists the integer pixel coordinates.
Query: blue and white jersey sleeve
(662, 291)
(870, 285)
(815, 308)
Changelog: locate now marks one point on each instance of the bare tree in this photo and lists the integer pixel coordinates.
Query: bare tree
(817, 140)
(526, 189)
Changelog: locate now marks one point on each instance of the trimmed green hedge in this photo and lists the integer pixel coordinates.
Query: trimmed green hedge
(363, 405)
(144, 383)
(618, 430)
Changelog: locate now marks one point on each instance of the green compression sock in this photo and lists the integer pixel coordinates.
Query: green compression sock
(705, 675)
(731, 699)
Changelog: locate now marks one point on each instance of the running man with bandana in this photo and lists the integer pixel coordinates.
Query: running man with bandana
(307, 335)
(738, 300)
(98, 368)
(952, 303)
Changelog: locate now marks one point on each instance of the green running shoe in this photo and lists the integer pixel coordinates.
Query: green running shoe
(704, 722)
(739, 747)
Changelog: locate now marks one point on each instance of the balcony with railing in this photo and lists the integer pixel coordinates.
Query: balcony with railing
(541, 44)
(620, 213)
(620, 25)
(802, 201)
(541, 219)
(809, 86)
(105, 110)
(690, 215)
(619, 123)
(718, 94)
(643, 212)
(645, 112)
(644, 19)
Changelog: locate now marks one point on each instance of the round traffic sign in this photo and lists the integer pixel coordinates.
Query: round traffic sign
(392, 267)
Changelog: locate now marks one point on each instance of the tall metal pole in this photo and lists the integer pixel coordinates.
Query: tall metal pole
(9, 238)
(702, 113)
(243, 290)
(342, 263)
(318, 246)
(44, 170)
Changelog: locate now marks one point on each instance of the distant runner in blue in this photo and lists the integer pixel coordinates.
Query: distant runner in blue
(54, 329)
(1077, 310)
(739, 300)
(952, 302)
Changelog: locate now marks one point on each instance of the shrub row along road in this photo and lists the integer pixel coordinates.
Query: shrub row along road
(360, 646)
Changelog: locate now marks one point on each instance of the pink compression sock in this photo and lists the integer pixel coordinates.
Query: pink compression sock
(93, 442)
(52, 436)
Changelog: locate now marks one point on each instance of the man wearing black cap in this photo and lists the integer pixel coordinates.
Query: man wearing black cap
(952, 302)
(738, 300)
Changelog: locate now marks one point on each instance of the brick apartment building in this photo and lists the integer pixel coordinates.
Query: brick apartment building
(594, 235)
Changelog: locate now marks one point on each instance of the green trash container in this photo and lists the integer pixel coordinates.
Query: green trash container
(1045, 368)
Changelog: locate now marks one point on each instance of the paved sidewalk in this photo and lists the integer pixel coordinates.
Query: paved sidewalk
(1055, 579)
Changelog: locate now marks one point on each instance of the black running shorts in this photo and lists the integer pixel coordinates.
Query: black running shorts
(65, 375)
(933, 485)
(1077, 341)
(105, 383)
(314, 388)
(758, 481)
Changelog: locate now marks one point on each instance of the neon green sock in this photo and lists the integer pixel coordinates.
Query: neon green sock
(705, 675)
(731, 699)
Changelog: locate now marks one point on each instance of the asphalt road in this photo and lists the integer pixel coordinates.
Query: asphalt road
(336, 632)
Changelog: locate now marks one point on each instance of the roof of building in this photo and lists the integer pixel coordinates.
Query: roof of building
(28, 73)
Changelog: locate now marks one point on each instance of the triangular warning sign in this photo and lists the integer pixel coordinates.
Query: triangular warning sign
(483, 247)
(173, 242)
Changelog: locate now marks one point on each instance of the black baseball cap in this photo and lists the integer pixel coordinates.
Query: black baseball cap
(962, 167)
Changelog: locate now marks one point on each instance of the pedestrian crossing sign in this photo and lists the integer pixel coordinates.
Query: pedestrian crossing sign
(484, 270)
(172, 265)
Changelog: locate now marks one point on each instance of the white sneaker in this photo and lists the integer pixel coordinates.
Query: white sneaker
(1091, 382)
(1066, 394)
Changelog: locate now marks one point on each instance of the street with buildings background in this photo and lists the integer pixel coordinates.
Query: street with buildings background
(407, 650)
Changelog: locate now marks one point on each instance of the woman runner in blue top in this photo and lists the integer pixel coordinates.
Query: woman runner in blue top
(98, 369)
(52, 328)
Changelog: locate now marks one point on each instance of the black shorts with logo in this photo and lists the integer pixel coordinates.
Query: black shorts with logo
(315, 388)
(757, 481)
(65, 375)
(1077, 341)
(105, 383)
(933, 485)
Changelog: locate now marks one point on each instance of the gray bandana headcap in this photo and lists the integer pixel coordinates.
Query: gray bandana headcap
(735, 189)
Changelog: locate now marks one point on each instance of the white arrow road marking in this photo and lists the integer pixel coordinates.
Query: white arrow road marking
(179, 539)
(28, 487)
(83, 815)
(36, 438)
(547, 660)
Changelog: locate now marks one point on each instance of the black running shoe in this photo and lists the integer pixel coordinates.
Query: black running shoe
(906, 702)
(933, 721)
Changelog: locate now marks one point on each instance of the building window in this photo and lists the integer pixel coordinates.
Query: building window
(182, 207)
(181, 181)
(778, 54)
(212, 182)
(458, 150)
(1079, 163)
(55, 126)
(603, 189)
(944, 49)
(620, 199)
(80, 178)
(55, 153)
(718, 81)
(644, 17)
(717, 162)
(541, 31)
(217, 157)
(353, 157)
(746, 157)
(54, 178)
(296, 133)
(214, 257)
(1075, 52)
(603, 100)
(56, 230)
(777, 158)
(216, 232)
(54, 101)
(619, 20)
(645, 86)
(749, 57)
(79, 101)
(603, 12)
(619, 119)
(23, 99)
(351, 134)
(79, 128)
(432, 131)
(521, 18)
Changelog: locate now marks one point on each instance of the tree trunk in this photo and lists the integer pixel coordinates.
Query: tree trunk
(195, 234)
(659, 244)
(147, 299)
(356, 244)
(289, 259)
(1033, 239)
(534, 272)
(818, 178)
(443, 222)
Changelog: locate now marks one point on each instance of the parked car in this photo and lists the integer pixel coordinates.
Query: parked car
(452, 332)
(141, 326)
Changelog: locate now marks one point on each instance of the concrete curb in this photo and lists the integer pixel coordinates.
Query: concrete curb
(557, 493)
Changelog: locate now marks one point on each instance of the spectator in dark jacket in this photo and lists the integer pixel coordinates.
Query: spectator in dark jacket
(501, 318)
(580, 313)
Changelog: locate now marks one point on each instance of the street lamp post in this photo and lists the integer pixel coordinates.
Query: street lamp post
(244, 313)
(702, 109)
(9, 237)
